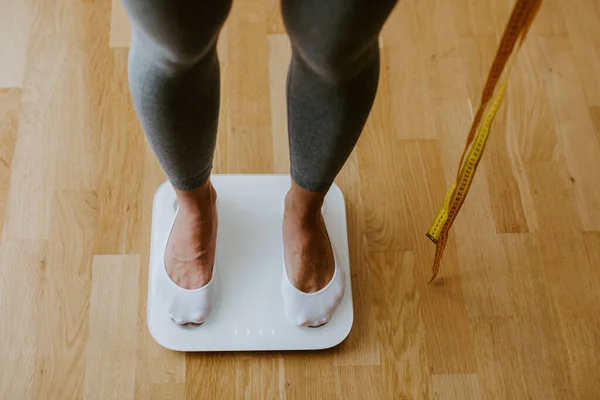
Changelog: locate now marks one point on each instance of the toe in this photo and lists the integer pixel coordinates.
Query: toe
(301, 320)
(319, 323)
(311, 322)
(198, 319)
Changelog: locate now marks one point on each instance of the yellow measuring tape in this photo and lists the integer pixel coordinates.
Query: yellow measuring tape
(516, 30)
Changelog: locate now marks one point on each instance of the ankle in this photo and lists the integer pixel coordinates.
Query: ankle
(303, 205)
(301, 212)
(199, 201)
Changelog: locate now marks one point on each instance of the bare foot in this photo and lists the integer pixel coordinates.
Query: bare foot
(190, 253)
(308, 255)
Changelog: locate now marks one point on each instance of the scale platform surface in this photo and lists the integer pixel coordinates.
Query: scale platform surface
(248, 311)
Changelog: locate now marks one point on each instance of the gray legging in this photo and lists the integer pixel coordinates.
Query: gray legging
(332, 81)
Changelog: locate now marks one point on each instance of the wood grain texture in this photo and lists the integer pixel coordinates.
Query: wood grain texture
(274, 21)
(156, 367)
(381, 174)
(514, 313)
(484, 279)
(280, 54)
(120, 26)
(362, 347)
(120, 136)
(578, 136)
(533, 336)
(397, 308)
(10, 104)
(113, 326)
(14, 31)
(249, 139)
(456, 387)
(167, 391)
(22, 265)
(35, 153)
(63, 310)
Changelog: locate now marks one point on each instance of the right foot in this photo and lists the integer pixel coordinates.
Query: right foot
(311, 288)
(190, 252)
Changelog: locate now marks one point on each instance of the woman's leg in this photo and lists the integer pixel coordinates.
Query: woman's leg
(174, 84)
(332, 81)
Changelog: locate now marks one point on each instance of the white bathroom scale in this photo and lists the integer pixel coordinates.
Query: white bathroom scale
(248, 308)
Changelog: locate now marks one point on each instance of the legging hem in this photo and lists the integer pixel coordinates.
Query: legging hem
(309, 185)
(193, 183)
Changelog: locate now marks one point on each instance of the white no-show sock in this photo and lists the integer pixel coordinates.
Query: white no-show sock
(184, 305)
(312, 309)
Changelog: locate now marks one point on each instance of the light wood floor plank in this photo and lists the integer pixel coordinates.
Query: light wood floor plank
(362, 382)
(167, 391)
(120, 26)
(509, 193)
(533, 338)
(497, 347)
(551, 19)
(211, 385)
(35, 154)
(397, 307)
(578, 136)
(155, 365)
(582, 21)
(442, 304)
(121, 158)
(571, 272)
(259, 377)
(456, 387)
(484, 280)
(249, 135)
(318, 381)
(22, 265)
(14, 29)
(362, 347)
(10, 104)
(111, 345)
(58, 104)
(279, 59)
(404, 82)
(63, 328)
(381, 174)
(274, 19)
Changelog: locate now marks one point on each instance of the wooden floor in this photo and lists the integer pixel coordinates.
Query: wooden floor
(515, 313)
